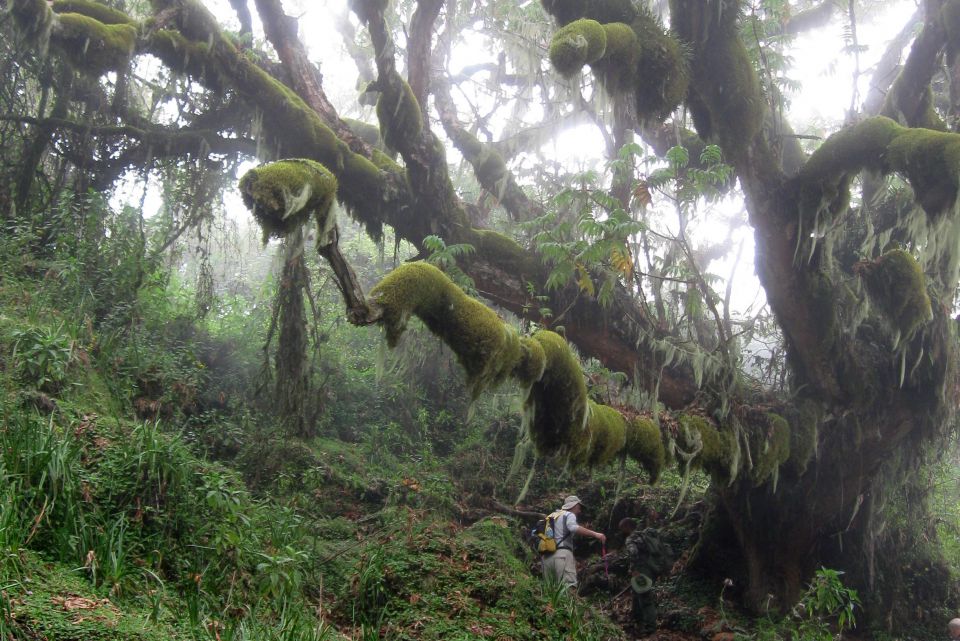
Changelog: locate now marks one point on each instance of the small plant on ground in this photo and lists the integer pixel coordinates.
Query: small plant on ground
(42, 356)
(825, 611)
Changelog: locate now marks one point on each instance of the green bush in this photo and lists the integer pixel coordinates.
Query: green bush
(42, 357)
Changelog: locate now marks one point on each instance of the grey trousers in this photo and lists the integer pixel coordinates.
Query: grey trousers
(562, 566)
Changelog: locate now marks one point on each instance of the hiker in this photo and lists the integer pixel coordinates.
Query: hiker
(561, 564)
(954, 628)
(649, 558)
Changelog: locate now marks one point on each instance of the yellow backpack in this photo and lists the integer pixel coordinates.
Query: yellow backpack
(545, 533)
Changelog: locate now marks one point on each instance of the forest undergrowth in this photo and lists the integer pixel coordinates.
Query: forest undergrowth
(149, 492)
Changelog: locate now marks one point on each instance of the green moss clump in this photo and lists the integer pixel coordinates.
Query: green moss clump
(719, 447)
(931, 162)
(488, 349)
(579, 43)
(824, 305)
(366, 132)
(399, 114)
(555, 409)
(506, 252)
(531, 364)
(282, 195)
(770, 448)
(468, 144)
(644, 444)
(357, 170)
(662, 74)
(895, 282)
(617, 68)
(490, 166)
(604, 437)
(824, 181)
(852, 149)
(927, 116)
(385, 162)
(93, 46)
(727, 104)
(95, 10)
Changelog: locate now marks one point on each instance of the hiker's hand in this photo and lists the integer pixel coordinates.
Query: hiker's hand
(602, 537)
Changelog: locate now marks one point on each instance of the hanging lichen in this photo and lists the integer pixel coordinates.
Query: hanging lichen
(644, 444)
(896, 284)
(769, 448)
(293, 381)
(804, 419)
(283, 195)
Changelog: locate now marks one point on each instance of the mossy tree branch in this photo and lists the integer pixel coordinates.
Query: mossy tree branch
(164, 142)
(488, 165)
(889, 66)
(910, 99)
(281, 32)
(419, 50)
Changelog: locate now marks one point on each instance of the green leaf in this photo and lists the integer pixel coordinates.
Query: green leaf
(711, 155)
(678, 156)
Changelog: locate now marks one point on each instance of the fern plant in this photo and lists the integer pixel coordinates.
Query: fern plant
(445, 257)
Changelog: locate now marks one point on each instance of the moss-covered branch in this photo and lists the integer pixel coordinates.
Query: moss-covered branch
(283, 196)
(725, 98)
(489, 166)
(910, 99)
(635, 57)
(559, 419)
(92, 37)
(163, 141)
(930, 160)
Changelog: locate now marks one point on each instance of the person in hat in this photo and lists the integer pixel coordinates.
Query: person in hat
(954, 628)
(561, 565)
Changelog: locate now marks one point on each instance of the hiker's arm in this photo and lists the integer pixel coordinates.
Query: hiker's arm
(582, 531)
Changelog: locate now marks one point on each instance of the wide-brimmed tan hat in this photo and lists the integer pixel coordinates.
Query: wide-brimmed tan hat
(570, 501)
